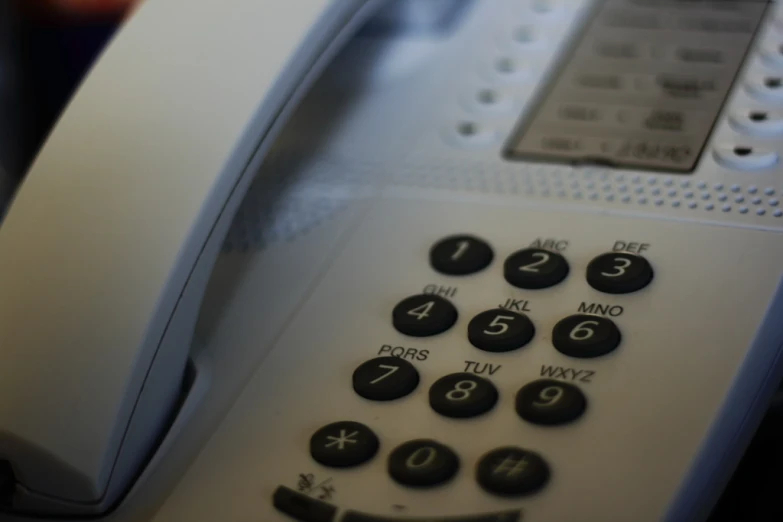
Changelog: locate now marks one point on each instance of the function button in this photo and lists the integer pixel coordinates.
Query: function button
(767, 88)
(585, 336)
(759, 122)
(301, 507)
(462, 395)
(535, 268)
(500, 331)
(512, 471)
(422, 463)
(461, 255)
(503, 516)
(744, 157)
(343, 444)
(385, 379)
(550, 402)
(619, 273)
(424, 315)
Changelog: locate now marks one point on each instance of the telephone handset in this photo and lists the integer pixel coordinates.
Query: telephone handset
(128, 205)
(522, 266)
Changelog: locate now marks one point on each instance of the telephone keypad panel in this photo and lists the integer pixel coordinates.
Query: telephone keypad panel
(493, 352)
(570, 395)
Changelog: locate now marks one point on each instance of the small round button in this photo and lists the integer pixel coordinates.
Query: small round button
(500, 330)
(550, 402)
(745, 157)
(585, 336)
(385, 379)
(460, 255)
(343, 444)
(424, 315)
(619, 273)
(422, 463)
(462, 395)
(535, 268)
(512, 471)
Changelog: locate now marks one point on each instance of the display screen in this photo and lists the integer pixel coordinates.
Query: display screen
(642, 85)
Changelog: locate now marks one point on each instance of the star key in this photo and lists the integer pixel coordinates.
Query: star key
(342, 440)
(343, 444)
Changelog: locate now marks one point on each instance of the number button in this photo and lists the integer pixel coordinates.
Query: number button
(619, 273)
(511, 472)
(535, 268)
(460, 255)
(422, 463)
(500, 331)
(462, 395)
(550, 402)
(424, 315)
(343, 444)
(385, 379)
(585, 336)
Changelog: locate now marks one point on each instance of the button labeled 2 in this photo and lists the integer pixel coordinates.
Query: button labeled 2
(535, 268)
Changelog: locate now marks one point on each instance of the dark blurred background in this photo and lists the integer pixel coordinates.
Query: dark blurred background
(46, 46)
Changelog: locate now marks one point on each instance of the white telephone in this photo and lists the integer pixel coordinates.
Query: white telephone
(506, 260)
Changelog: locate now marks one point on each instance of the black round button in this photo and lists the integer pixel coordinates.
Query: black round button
(462, 395)
(343, 444)
(585, 336)
(619, 273)
(385, 379)
(535, 268)
(550, 402)
(424, 315)
(512, 472)
(460, 255)
(500, 330)
(422, 463)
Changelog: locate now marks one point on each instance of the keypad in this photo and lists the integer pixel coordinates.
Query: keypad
(385, 379)
(424, 315)
(423, 463)
(585, 336)
(507, 471)
(535, 268)
(549, 402)
(461, 255)
(619, 273)
(343, 444)
(512, 471)
(500, 330)
(463, 395)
